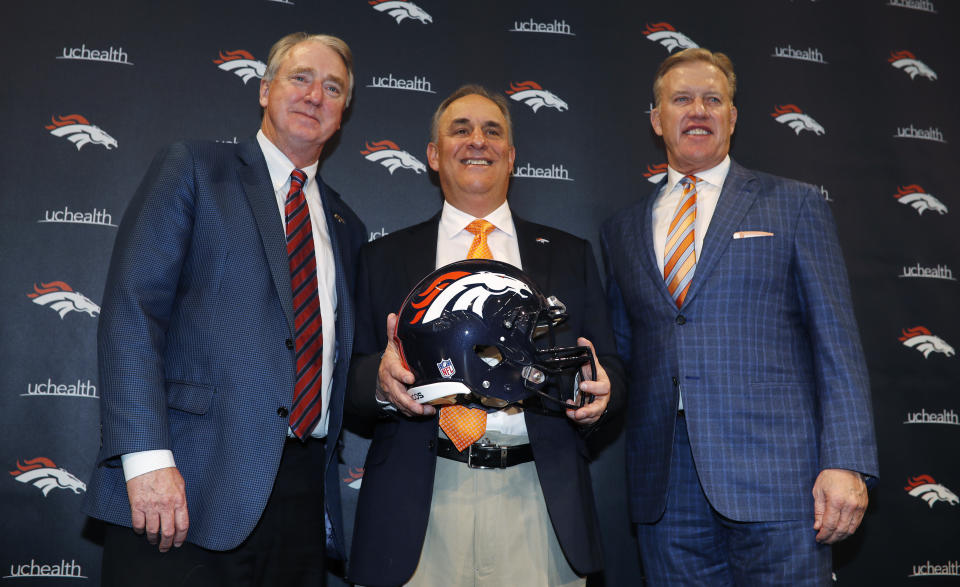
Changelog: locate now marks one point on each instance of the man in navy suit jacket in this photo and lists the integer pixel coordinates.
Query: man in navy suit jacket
(197, 350)
(429, 519)
(750, 432)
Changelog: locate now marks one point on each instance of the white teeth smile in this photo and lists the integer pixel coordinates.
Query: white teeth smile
(476, 162)
(697, 131)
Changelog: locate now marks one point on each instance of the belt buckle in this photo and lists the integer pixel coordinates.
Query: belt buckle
(480, 446)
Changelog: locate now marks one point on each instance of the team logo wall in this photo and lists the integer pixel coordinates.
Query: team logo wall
(60, 297)
(462, 290)
(43, 474)
(921, 339)
(242, 64)
(924, 487)
(354, 478)
(401, 10)
(534, 96)
(655, 173)
(666, 35)
(388, 154)
(78, 130)
(909, 64)
(793, 117)
(917, 198)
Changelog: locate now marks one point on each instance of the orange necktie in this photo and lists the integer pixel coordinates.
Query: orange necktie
(679, 256)
(463, 425)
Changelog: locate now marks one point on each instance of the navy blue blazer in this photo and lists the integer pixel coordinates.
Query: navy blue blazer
(765, 349)
(394, 502)
(192, 340)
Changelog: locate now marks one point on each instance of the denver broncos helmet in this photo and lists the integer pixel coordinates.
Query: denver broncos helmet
(467, 332)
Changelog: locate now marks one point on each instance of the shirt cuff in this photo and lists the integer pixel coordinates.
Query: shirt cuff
(139, 463)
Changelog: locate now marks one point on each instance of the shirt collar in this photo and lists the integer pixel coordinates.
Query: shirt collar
(454, 220)
(713, 176)
(279, 165)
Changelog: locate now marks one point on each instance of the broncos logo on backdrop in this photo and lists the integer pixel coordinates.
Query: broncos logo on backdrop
(655, 173)
(914, 196)
(79, 131)
(61, 298)
(462, 290)
(242, 64)
(924, 487)
(401, 9)
(666, 35)
(906, 61)
(534, 96)
(43, 474)
(926, 342)
(796, 119)
(388, 154)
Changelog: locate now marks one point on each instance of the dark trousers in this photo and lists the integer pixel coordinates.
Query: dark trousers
(693, 544)
(287, 546)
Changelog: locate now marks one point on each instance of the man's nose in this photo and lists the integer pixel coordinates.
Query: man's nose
(315, 94)
(478, 138)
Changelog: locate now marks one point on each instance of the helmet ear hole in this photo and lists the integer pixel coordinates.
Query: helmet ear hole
(489, 354)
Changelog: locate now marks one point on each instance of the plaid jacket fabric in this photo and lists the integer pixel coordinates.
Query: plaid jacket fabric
(765, 350)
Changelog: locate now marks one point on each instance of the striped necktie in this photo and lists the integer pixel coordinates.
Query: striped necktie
(679, 255)
(308, 331)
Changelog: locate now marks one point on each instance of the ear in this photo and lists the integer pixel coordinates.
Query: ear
(264, 91)
(655, 121)
(733, 118)
(511, 157)
(433, 156)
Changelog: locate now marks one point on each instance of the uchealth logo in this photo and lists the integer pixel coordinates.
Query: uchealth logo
(533, 95)
(917, 198)
(909, 64)
(666, 35)
(354, 478)
(401, 10)
(78, 130)
(63, 569)
(43, 474)
(927, 489)
(655, 173)
(242, 64)
(921, 339)
(391, 156)
(60, 297)
(793, 117)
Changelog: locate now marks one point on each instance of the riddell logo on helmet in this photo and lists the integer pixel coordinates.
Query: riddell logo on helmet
(462, 290)
(43, 474)
(242, 64)
(917, 198)
(79, 131)
(60, 297)
(391, 156)
(533, 95)
(655, 173)
(401, 10)
(927, 489)
(793, 117)
(909, 64)
(666, 35)
(921, 339)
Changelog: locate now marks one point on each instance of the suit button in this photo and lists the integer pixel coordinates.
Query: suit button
(675, 382)
(430, 445)
(289, 343)
(681, 320)
(282, 412)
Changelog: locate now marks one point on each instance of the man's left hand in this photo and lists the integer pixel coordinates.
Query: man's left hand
(599, 389)
(839, 502)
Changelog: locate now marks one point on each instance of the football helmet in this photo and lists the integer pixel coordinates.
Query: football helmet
(467, 332)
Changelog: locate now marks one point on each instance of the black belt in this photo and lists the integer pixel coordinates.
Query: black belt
(486, 456)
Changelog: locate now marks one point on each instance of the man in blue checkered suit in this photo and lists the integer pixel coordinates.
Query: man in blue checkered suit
(750, 438)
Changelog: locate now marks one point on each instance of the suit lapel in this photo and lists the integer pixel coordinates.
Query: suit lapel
(738, 194)
(535, 252)
(259, 192)
(339, 241)
(420, 258)
(646, 254)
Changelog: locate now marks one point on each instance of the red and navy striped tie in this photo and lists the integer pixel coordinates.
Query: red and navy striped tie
(308, 335)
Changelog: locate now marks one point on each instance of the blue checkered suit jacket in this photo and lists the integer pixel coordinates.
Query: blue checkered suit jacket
(765, 350)
(192, 348)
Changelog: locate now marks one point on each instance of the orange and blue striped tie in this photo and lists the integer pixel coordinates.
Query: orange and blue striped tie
(679, 254)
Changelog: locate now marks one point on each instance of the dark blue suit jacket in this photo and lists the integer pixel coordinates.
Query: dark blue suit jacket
(765, 349)
(192, 339)
(397, 489)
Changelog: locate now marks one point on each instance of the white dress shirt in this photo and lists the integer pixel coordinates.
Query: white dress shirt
(280, 167)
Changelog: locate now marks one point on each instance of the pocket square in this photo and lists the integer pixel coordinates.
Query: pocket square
(751, 234)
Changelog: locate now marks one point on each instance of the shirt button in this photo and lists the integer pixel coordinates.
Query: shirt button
(681, 319)
(289, 343)
(282, 412)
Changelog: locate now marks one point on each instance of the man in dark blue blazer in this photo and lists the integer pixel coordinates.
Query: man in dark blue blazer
(749, 427)
(201, 340)
(424, 519)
